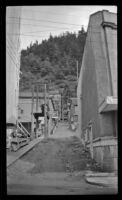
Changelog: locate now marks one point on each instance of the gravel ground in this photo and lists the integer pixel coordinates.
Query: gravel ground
(54, 166)
(58, 155)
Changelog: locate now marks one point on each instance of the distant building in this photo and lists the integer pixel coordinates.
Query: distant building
(73, 112)
(97, 90)
(56, 99)
(25, 108)
(13, 14)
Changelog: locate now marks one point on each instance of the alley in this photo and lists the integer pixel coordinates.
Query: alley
(54, 166)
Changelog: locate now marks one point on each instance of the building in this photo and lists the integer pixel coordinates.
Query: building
(25, 108)
(73, 113)
(13, 14)
(97, 90)
(56, 100)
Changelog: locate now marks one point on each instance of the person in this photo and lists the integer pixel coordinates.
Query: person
(54, 125)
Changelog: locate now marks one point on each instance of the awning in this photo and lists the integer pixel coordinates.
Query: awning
(110, 103)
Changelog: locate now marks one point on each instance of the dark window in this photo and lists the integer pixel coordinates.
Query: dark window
(22, 111)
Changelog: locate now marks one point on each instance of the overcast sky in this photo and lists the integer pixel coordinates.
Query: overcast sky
(37, 22)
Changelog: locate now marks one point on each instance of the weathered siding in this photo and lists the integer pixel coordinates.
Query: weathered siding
(103, 58)
(25, 104)
(89, 98)
(12, 62)
(107, 156)
(98, 80)
(97, 38)
(111, 40)
(79, 105)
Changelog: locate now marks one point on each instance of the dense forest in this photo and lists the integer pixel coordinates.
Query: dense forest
(53, 61)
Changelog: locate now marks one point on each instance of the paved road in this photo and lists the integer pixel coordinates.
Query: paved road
(44, 169)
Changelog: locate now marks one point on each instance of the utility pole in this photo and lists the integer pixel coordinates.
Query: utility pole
(77, 69)
(36, 106)
(45, 113)
(61, 106)
(37, 97)
(32, 128)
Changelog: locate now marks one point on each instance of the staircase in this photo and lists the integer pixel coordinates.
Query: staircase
(21, 138)
(22, 129)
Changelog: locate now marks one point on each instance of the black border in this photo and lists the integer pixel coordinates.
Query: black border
(3, 183)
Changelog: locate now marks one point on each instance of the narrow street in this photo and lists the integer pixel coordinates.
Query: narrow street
(61, 100)
(54, 166)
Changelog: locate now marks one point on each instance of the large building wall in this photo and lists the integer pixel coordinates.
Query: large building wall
(99, 80)
(97, 38)
(106, 83)
(89, 96)
(111, 40)
(12, 62)
(79, 104)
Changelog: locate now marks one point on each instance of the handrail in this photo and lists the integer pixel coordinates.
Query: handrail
(23, 128)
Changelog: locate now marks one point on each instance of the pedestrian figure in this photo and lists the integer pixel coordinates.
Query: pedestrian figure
(54, 125)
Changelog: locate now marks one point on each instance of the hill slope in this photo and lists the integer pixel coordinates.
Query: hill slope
(54, 61)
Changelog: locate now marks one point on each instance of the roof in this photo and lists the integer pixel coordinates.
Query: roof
(104, 12)
(109, 17)
(29, 94)
(53, 92)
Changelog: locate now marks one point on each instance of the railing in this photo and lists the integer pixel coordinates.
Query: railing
(23, 129)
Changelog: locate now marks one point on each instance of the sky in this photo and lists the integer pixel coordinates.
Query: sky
(38, 22)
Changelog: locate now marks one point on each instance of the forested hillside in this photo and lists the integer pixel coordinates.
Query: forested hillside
(54, 61)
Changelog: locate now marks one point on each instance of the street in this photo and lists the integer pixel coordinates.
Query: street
(56, 165)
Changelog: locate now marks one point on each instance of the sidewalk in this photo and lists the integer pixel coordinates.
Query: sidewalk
(103, 179)
(13, 156)
(62, 131)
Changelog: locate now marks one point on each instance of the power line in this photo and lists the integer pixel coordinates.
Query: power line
(12, 52)
(11, 42)
(49, 30)
(59, 27)
(13, 56)
(37, 25)
(43, 20)
(27, 35)
(24, 9)
(64, 28)
(15, 51)
(93, 41)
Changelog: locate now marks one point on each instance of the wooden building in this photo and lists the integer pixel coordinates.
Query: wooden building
(13, 14)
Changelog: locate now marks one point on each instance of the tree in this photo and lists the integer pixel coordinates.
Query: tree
(54, 60)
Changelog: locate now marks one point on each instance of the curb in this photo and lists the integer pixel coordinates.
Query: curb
(105, 180)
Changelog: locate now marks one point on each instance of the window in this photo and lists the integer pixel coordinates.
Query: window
(22, 111)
